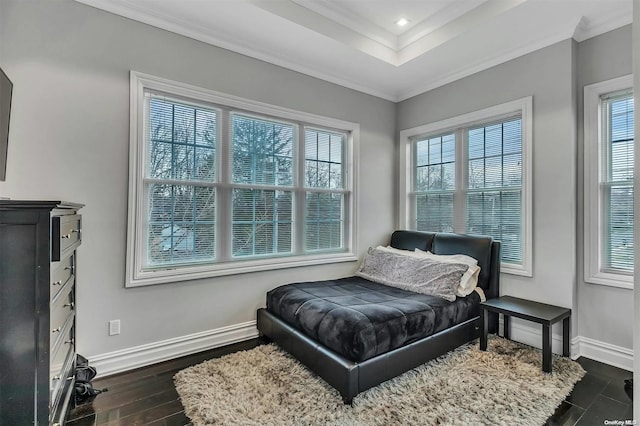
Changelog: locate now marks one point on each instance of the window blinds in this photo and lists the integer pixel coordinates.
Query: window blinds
(494, 195)
(434, 183)
(180, 171)
(617, 181)
(488, 191)
(324, 196)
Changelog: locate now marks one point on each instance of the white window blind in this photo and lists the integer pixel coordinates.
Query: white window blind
(494, 194)
(325, 195)
(608, 182)
(179, 182)
(434, 183)
(262, 205)
(617, 182)
(471, 174)
(223, 185)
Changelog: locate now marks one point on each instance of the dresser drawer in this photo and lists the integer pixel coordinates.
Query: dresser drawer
(60, 384)
(58, 333)
(65, 235)
(62, 308)
(61, 274)
(60, 365)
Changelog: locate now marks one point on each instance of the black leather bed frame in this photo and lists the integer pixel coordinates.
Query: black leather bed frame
(351, 378)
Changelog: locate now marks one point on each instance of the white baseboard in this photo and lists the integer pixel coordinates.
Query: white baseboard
(143, 355)
(532, 335)
(607, 353)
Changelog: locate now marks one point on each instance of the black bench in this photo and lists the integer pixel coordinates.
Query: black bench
(544, 314)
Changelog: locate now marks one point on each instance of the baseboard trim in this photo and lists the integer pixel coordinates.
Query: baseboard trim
(616, 356)
(532, 336)
(607, 353)
(143, 355)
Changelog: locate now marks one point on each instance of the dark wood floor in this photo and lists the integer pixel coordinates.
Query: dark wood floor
(146, 396)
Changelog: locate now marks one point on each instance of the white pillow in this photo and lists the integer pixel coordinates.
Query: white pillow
(469, 280)
(394, 250)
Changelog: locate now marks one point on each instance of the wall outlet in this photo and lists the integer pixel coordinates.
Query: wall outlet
(114, 327)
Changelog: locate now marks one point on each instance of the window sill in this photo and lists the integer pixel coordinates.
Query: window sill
(140, 278)
(507, 268)
(611, 280)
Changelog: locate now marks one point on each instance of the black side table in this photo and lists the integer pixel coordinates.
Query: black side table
(544, 314)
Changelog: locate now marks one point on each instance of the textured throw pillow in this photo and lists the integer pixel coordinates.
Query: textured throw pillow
(469, 280)
(418, 274)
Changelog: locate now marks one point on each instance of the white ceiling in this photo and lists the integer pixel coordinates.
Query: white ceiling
(356, 43)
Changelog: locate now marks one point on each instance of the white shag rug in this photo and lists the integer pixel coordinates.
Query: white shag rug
(266, 386)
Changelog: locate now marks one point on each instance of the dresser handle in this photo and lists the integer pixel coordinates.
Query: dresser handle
(69, 342)
(57, 283)
(56, 377)
(69, 378)
(73, 231)
(56, 330)
(68, 305)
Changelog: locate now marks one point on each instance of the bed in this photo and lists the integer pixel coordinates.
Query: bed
(356, 333)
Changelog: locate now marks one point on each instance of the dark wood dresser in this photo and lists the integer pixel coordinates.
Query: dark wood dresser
(38, 241)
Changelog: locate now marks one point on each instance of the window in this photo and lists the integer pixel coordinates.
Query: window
(471, 174)
(609, 168)
(224, 185)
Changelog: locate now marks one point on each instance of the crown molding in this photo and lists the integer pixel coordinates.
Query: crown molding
(454, 10)
(581, 31)
(207, 35)
(484, 65)
(334, 12)
(604, 23)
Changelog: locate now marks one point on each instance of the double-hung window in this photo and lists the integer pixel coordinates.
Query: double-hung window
(222, 185)
(471, 174)
(609, 170)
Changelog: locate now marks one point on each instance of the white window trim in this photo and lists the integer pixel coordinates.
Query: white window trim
(593, 168)
(525, 107)
(135, 275)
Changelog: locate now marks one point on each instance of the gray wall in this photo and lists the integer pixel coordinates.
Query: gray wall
(70, 139)
(547, 75)
(556, 77)
(604, 313)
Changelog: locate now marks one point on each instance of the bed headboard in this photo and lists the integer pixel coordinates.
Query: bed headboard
(482, 248)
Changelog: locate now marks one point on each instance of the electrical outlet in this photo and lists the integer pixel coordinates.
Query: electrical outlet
(114, 327)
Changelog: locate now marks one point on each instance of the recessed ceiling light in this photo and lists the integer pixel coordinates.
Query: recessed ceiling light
(402, 22)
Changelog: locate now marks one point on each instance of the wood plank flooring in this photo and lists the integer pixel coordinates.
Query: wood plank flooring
(147, 396)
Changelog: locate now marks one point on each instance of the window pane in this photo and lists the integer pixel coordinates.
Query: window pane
(498, 214)
(434, 163)
(617, 192)
(262, 222)
(495, 165)
(324, 221)
(262, 151)
(323, 159)
(181, 224)
(434, 212)
(621, 138)
(181, 140)
(619, 226)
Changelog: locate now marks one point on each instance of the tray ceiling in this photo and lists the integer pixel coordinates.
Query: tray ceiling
(357, 43)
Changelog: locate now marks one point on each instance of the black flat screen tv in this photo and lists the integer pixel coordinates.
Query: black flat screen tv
(6, 88)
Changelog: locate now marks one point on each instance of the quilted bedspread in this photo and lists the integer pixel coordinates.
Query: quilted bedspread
(360, 319)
